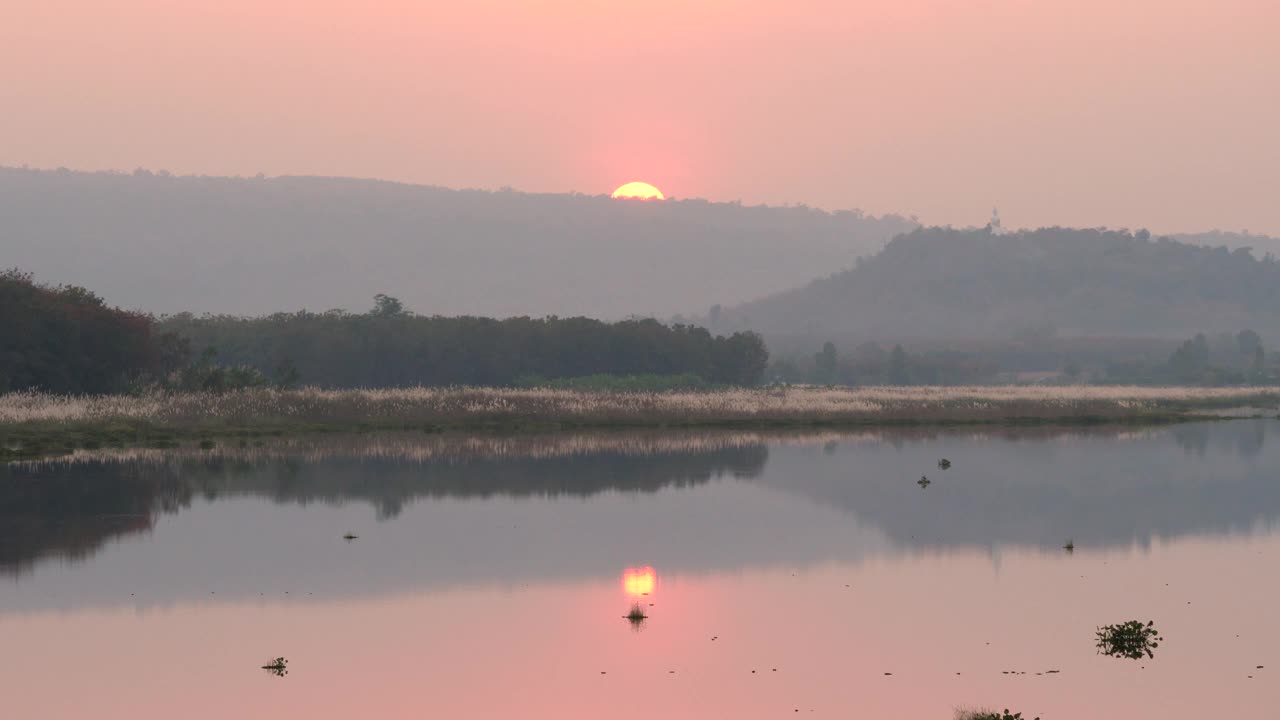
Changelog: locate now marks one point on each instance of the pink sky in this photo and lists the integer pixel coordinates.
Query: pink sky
(1156, 113)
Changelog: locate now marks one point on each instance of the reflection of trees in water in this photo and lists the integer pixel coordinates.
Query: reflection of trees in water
(1192, 438)
(1249, 444)
(1018, 486)
(1247, 437)
(1038, 491)
(68, 509)
(44, 512)
(389, 484)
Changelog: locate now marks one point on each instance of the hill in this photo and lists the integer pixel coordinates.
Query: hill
(1260, 245)
(944, 283)
(252, 246)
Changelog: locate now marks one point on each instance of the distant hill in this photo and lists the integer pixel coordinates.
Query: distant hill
(1260, 245)
(257, 245)
(944, 283)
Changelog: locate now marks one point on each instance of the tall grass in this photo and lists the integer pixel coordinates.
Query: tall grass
(476, 407)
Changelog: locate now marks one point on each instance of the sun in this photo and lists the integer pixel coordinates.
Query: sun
(640, 191)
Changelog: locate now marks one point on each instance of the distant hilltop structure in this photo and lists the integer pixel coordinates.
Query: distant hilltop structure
(994, 226)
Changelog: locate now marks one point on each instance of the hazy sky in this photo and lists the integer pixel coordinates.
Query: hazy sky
(1157, 113)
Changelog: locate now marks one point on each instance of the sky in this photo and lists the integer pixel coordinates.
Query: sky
(1119, 113)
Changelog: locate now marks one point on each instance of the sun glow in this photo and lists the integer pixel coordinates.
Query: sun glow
(640, 191)
(639, 581)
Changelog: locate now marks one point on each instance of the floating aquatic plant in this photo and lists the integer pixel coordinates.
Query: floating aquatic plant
(988, 715)
(636, 616)
(277, 667)
(1131, 640)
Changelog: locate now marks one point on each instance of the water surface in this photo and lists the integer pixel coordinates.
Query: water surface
(781, 574)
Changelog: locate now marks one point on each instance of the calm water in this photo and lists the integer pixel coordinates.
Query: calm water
(783, 576)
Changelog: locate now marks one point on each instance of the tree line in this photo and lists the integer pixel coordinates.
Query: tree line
(388, 347)
(870, 364)
(65, 339)
(1222, 359)
(1226, 360)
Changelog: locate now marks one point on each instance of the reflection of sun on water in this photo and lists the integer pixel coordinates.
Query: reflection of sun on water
(639, 581)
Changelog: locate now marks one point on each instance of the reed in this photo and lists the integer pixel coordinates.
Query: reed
(50, 422)
(791, 404)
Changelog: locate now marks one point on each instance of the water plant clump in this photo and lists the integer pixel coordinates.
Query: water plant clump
(1132, 640)
(636, 615)
(1069, 546)
(944, 463)
(988, 715)
(924, 482)
(277, 667)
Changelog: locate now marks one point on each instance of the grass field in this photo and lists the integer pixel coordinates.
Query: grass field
(35, 424)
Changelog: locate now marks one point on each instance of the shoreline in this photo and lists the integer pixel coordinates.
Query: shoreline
(34, 426)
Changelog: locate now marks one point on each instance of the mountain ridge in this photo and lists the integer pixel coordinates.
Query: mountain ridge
(252, 246)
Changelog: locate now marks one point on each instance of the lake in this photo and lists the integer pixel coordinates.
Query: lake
(782, 575)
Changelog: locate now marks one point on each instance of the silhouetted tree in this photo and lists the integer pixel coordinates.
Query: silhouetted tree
(386, 306)
(898, 374)
(1248, 341)
(826, 364)
(1191, 359)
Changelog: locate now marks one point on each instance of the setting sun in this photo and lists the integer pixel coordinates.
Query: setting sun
(639, 190)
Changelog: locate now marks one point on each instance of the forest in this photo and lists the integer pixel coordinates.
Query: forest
(390, 347)
(65, 339)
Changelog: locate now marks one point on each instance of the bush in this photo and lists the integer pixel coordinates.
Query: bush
(65, 339)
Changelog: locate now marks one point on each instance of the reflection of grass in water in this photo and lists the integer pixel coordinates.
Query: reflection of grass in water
(277, 667)
(636, 616)
(1130, 640)
(988, 715)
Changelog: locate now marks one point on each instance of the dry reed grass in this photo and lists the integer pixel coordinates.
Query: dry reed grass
(477, 407)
